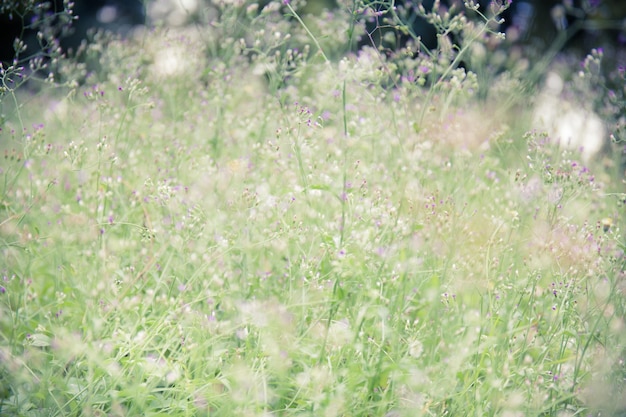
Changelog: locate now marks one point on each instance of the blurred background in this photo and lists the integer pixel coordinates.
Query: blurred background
(547, 44)
(575, 26)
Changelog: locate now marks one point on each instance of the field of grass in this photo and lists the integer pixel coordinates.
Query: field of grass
(211, 242)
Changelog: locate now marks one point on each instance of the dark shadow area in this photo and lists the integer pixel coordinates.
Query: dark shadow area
(46, 26)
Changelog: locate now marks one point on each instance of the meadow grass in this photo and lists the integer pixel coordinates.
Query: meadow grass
(294, 234)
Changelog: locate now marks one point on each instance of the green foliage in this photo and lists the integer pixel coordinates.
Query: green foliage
(216, 242)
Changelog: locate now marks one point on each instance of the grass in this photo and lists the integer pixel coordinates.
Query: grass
(213, 244)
